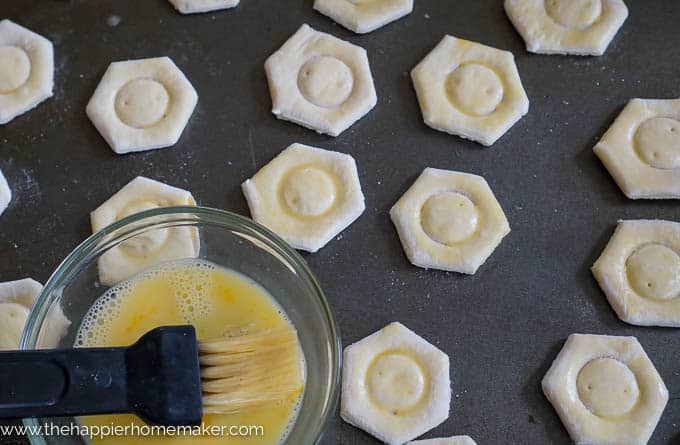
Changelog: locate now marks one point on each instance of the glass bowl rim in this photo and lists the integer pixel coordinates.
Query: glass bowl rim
(84, 252)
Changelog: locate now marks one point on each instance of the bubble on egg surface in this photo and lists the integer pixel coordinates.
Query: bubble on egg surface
(190, 284)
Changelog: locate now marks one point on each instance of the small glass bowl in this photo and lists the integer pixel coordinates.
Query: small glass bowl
(228, 240)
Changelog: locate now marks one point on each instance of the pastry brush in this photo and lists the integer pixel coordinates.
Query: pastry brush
(167, 377)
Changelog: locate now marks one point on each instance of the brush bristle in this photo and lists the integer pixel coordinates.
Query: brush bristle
(248, 370)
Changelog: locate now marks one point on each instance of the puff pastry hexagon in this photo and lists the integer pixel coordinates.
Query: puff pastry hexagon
(320, 82)
(5, 193)
(362, 16)
(26, 70)
(639, 272)
(641, 149)
(198, 6)
(150, 248)
(306, 195)
(142, 104)
(605, 390)
(581, 27)
(16, 301)
(455, 440)
(395, 385)
(449, 220)
(470, 90)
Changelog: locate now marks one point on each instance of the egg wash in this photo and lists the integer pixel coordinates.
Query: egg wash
(217, 302)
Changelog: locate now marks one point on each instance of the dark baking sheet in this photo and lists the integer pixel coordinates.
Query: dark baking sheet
(501, 327)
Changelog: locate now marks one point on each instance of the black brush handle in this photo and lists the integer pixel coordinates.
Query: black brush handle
(158, 378)
(67, 382)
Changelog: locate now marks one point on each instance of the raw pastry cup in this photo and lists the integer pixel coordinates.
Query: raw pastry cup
(231, 241)
(38, 55)
(627, 420)
(465, 255)
(455, 440)
(308, 59)
(432, 78)
(395, 414)
(266, 195)
(364, 17)
(124, 262)
(24, 292)
(138, 131)
(5, 193)
(201, 6)
(644, 168)
(643, 292)
(580, 28)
